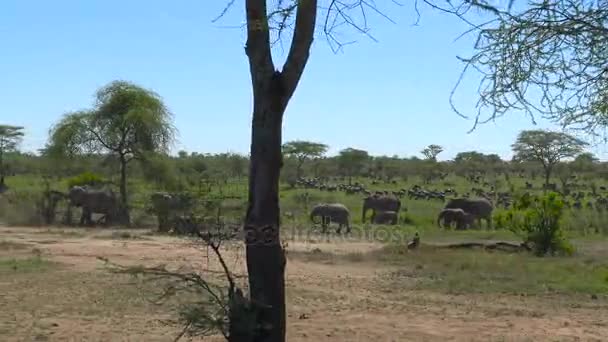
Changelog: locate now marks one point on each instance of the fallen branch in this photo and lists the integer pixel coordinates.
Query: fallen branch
(499, 245)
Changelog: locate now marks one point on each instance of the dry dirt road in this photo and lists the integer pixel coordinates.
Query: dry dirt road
(338, 299)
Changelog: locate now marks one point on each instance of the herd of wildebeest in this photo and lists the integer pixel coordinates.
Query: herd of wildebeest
(460, 210)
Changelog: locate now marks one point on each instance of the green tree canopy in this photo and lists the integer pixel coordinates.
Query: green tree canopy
(547, 148)
(127, 122)
(302, 151)
(431, 152)
(351, 161)
(10, 138)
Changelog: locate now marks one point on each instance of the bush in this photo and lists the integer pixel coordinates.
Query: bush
(21, 208)
(538, 221)
(86, 178)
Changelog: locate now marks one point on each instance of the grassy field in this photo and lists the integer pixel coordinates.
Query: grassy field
(362, 287)
(54, 288)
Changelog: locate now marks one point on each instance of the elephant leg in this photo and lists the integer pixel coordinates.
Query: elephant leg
(86, 217)
(323, 224)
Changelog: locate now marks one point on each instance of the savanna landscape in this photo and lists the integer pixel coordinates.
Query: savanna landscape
(109, 232)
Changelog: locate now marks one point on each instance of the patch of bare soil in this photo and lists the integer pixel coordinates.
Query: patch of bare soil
(337, 300)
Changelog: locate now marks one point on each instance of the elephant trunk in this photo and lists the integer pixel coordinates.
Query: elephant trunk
(439, 217)
(313, 214)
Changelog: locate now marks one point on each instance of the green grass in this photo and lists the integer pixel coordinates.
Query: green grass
(476, 271)
(472, 271)
(24, 265)
(420, 215)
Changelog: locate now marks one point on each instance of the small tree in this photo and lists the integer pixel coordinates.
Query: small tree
(351, 161)
(302, 151)
(10, 138)
(431, 152)
(584, 162)
(127, 122)
(547, 148)
(538, 221)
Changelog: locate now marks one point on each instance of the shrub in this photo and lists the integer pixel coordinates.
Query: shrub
(21, 208)
(538, 221)
(86, 178)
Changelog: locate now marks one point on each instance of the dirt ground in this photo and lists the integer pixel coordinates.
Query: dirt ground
(342, 300)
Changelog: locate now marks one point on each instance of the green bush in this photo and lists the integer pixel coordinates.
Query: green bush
(537, 219)
(21, 208)
(86, 178)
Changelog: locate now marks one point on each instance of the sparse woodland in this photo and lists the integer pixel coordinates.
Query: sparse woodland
(540, 257)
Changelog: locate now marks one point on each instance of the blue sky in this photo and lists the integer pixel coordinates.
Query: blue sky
(387, 97)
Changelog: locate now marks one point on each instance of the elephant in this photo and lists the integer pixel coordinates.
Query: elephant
(386, 217)
(331, 212)
(449, 216)
(94, 201)
(378, 204)
(480, 208)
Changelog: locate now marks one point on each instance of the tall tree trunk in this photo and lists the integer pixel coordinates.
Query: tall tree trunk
(299, 170)
(272, 90)
(124, 207)
(265, 255)
(2, 185)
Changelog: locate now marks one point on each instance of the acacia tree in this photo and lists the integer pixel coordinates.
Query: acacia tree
(126, 123)
(431, 152)
(584, 162)
(10, 138)
(351, 161)
(546, 58)
(547, 148)
(302, 151)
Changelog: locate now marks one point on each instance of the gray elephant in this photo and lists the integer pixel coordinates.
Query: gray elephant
(378, 204)
(458, 216)
(331, 212)
(480, 208)
(386, 217)
(94, 201)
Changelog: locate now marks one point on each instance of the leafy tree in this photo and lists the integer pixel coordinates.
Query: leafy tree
(182, 154)
(538, 221)
(10, 138)
(351, 161)
(564, 172)
(545, 57)
(431, 152)
(584, 162)
(302, 151)
(547, 148)
(126, 123)
(159, 169)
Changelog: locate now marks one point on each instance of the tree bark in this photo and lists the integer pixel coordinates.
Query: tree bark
(547, 179)
(124, 207)
(272, 90)
(265, 255)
